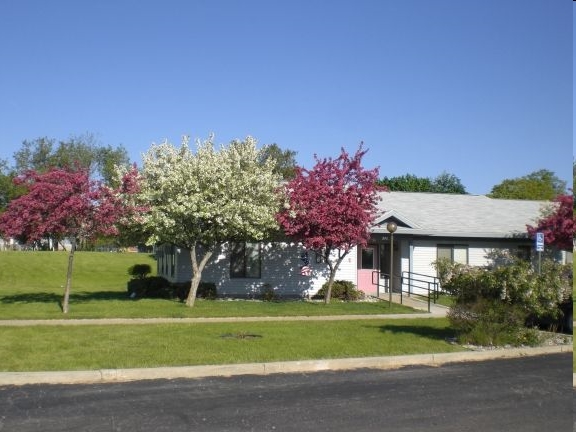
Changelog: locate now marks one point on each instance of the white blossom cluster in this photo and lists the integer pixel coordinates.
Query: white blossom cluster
(211, 195)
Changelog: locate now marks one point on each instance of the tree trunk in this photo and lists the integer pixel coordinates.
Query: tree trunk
(333, 270)
(197, 268)
(68, 287)
(328, 293)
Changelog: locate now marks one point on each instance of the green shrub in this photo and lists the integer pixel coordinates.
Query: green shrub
(149, 287)
(140, 271)
(342, 290)
(206, 290)
(517, 284)
(267, 293)
(158, 287)
(446, 270)
(136, 287)
(493, 305)
(491, 323)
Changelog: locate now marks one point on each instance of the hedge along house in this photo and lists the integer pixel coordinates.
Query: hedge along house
(463, 228)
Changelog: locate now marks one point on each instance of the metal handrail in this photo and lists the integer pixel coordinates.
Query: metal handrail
(430, 281)
(432, 286)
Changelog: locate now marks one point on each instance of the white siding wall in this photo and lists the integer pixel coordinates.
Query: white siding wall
(425, 253)
(348, 269)
(478, 253)
(281, 265)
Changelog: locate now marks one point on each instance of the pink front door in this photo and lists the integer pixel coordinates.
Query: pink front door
(367, 264)
(365, 281)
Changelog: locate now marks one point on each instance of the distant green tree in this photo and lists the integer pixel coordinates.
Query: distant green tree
(542, 185)
(448, 183)
(107, 159)
(285, 160)
(444, 183)
(83, 152)
(35, 155)
(406, 183)
(8, 190)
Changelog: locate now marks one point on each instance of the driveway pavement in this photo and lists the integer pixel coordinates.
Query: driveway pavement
(515, 395)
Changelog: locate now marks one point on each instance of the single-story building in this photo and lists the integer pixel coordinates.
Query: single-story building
(467, 229)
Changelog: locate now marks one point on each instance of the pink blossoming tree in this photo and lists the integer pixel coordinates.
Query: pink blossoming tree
(331, 208)
(557, 224)
(65, 203)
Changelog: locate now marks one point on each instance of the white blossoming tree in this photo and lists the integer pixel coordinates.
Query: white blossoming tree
(199, 200)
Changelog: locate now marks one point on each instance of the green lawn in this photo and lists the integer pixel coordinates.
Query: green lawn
(445, 300)
(107, 347)
(31, 287)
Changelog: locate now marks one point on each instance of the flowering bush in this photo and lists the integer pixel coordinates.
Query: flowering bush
(502, 299)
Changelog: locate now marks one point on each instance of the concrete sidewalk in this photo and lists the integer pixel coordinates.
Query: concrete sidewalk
(436, 311)
(134, 321)
(417, 303)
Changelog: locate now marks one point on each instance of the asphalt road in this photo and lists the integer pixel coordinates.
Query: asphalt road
(526, 394)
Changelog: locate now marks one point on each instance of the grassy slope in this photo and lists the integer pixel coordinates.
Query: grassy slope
(29, 272)
(31, 287)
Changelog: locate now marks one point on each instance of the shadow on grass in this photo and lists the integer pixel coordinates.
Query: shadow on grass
(428, 332)
(46, 297)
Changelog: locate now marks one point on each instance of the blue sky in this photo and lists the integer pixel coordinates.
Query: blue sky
(482, 90)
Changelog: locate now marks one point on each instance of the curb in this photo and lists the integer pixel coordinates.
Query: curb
(103, 376)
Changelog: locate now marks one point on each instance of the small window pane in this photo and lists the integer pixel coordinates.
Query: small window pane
(445, 252)
(460, 254)
(368, 258)
(252, 260)
(237, 263)
(245, 260)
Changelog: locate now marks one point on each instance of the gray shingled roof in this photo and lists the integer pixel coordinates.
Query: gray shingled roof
(457, 215)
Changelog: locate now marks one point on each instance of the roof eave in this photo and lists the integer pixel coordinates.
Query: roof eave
(454, 234)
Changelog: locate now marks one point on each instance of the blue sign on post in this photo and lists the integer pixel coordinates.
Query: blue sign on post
(539, 242)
